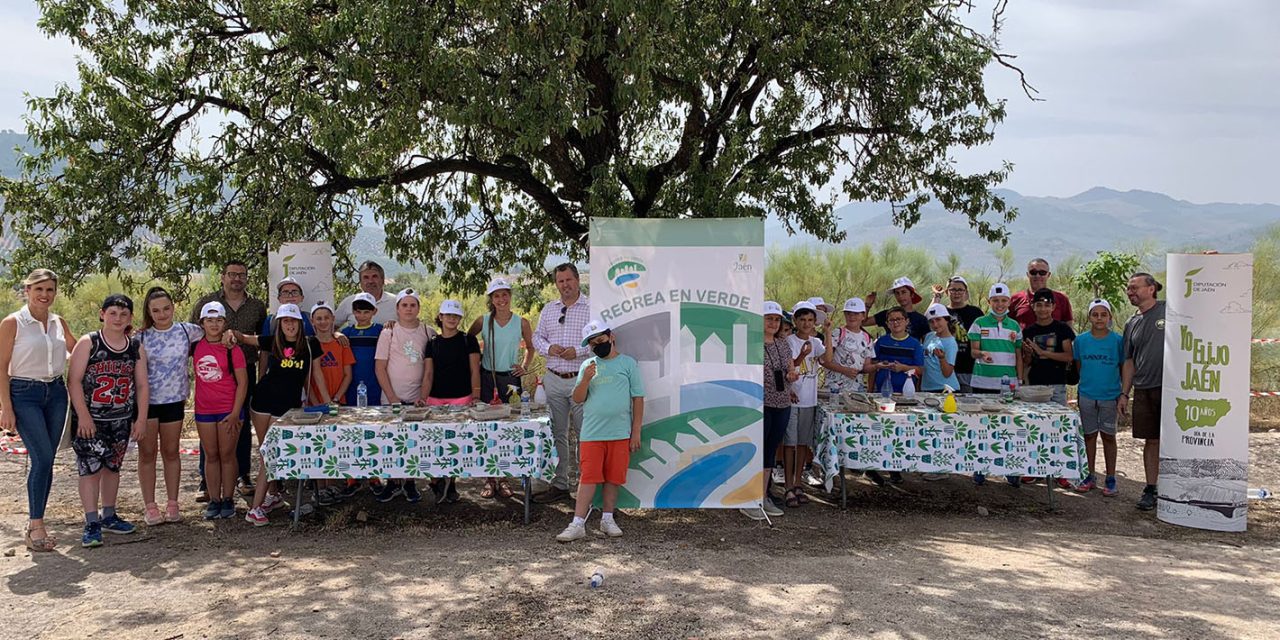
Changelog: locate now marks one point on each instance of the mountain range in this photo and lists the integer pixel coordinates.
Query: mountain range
(1051, 227)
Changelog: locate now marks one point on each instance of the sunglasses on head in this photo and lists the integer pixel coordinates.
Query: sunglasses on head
(563, 311)
(1037, 272)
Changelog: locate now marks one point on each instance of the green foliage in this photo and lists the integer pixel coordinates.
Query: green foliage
(1107, 275)
(482, 134)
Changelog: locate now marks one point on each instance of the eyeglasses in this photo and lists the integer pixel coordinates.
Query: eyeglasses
(563, 311)
(236, 275)
(957, 290)
(291, 292)
(1037, 272)
(896, 320)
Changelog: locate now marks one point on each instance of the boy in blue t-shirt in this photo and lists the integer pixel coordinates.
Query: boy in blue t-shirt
(364, 342)
(612, 397)
(1099, 354)
(897, 353)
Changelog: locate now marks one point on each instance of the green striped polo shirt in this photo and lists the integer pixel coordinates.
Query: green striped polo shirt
(1001, 338)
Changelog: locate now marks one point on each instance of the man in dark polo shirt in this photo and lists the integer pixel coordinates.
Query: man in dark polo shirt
(246, 315)
(1143, 372)
(1020, 305)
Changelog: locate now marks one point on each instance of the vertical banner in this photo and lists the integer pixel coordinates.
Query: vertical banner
(1204, 426)
(684, 299)
(311, 263)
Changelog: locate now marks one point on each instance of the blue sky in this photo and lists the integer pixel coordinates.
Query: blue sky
(1176, 96)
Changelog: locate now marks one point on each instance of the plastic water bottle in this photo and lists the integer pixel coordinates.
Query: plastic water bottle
(886, 389)
(1259, 493)
(597, 578)
(362, 395)
(540, 394)
(524, 405)
(1005, 390)
(909, 387)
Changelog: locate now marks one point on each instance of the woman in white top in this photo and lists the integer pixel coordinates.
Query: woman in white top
(34, 343)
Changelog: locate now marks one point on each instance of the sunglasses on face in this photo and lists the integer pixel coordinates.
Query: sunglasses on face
(957, 290)
(1037, 272)
(563, 311)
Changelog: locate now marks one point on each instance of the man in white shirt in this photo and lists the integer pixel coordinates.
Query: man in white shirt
(372, 278)
(558, 338)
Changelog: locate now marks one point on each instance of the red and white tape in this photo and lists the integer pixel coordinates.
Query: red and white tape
(1265, 394)
(190, 452)
(1265, 341)
(7, 446)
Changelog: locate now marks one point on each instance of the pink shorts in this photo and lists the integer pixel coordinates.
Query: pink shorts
(444, 402)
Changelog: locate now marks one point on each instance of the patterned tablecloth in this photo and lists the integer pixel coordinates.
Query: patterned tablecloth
(411, 450)
(1040, 440)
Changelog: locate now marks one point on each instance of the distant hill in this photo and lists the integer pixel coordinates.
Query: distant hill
(1083, 224)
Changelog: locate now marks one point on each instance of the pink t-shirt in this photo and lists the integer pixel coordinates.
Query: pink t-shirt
(215, 377)
(403, 350)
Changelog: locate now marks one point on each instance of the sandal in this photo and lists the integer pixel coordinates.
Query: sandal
(504, 489)
(801, 497)
(792, 501)
(488, 490)
(171, 512)
(152, 516)
(42, 544)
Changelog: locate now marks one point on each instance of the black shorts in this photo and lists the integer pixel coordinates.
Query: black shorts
(167, 412)
(1146, 413)
(106, 449)
(272, 405)
(505, 381)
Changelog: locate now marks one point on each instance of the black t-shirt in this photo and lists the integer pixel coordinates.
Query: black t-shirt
(917, 324)
(1050, 338)
(451, 365)
(964, 317)
(286, 377)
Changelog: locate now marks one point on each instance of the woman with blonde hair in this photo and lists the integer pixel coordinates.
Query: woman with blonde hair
(34, 344)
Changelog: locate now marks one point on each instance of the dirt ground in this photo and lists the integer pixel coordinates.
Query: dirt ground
(918, 561)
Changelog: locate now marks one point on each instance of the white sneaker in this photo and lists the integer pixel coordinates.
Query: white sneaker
(610, 528)
(572, 532)
(771, 509)
(755, 513)
(272, 502)
(779, 476)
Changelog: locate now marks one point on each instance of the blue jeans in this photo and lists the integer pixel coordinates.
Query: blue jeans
(40, 409)
(775, 429)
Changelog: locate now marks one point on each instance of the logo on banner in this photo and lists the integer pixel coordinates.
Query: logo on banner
(1199, 286)
(742, 264)
(626, 273)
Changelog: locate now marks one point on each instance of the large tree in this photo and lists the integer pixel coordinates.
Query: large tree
(484, 134)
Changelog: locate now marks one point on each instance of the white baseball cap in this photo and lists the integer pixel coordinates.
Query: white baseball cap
(959, 279)
(367, 297)
(213, 310)
(998, 290)
(593, 329)
(906, 282)
(772, 308)
(819, 303)
(498, 284)
(407, 293)
(855, 305)
(451, 307)
(288, 280)
(289, 310)
(936, 310)
(1100, 303)
(802, 305)
(321, 305)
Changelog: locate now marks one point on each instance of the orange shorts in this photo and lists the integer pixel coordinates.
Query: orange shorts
(604, 461)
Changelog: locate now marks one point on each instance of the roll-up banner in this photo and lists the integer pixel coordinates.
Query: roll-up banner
(684, 298)
(1204, 434)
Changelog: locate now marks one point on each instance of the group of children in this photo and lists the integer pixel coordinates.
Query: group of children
(957, 346)
(304, 359)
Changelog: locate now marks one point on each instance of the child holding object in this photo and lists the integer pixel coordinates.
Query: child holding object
(612, 395)
(994, 341)
(1100, 355)
(109, 393)
(222, 382)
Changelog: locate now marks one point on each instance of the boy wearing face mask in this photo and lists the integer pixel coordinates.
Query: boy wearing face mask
(994, 341)
(612, 397)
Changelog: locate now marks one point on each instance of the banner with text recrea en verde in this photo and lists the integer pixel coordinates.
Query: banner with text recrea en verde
(684, 298)
(1204, 418)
